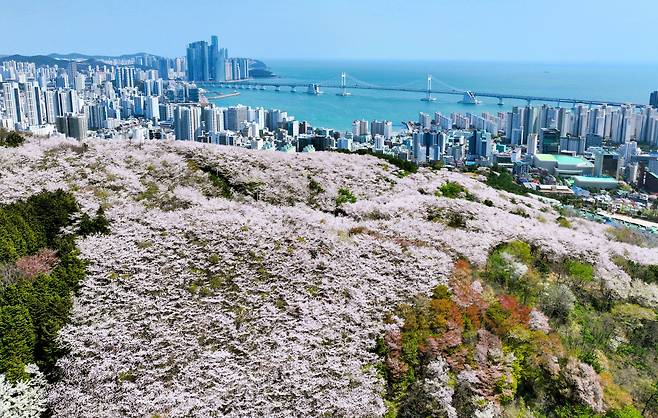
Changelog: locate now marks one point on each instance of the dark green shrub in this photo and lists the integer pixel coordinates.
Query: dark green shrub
(11, 139)
(451, 190)
(97, 225)
(345, 196)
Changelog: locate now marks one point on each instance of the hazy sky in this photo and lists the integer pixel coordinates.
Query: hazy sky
(515, 30)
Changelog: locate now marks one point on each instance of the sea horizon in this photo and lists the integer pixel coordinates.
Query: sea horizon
(622, 82)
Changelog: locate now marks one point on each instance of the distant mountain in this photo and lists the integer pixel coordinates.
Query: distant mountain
(39, 60)
(78, 56)
(63, 59)
(258, 68)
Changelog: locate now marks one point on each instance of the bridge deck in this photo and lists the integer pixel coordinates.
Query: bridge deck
(495, 95)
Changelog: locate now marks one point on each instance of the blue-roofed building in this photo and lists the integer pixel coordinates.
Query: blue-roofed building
(587, 182)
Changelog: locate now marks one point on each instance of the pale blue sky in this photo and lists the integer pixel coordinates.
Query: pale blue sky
(481, 30)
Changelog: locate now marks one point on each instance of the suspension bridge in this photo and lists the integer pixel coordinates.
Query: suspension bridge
(343, 86)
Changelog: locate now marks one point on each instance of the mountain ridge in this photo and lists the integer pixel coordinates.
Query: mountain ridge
(258, 283)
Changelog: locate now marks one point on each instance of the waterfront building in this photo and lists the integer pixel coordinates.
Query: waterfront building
(383, 128)
(442, 122)
(197, 61)
(424, 120)
(360, 128)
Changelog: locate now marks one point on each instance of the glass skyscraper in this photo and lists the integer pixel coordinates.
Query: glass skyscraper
(197, 61)
(206, 62)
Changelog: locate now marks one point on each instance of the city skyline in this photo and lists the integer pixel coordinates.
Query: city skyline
(567, 31)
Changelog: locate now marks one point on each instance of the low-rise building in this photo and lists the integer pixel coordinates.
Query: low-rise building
(563, 165)
(587, 182)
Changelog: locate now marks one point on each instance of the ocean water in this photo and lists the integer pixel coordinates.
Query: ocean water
(613, 82)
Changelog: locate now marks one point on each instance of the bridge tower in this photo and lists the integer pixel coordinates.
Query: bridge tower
(429, 97)
(343, 86)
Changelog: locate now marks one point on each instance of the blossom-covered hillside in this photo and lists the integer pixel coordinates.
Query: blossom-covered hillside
(242, 283)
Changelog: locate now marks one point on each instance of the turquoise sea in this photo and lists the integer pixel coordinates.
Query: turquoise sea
(614, 82)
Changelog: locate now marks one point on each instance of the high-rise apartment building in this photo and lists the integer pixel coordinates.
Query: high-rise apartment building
(236, 115)
(653, 99)
(11, 96)
(187, 122)
(32, 102)
(73, 126)
(197, 61)
(383, 128)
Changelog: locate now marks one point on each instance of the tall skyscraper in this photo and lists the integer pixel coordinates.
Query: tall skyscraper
(12, 101)
(124, 77)
(163, 68)
(533, 139)
(383, 128)
(49, 106)
(152, 108)
(653, 99)
(480, 145)
(531, 121)
(73, 126)
(73, 69)
(213, 119)
(236, 115)
(198, 62)
(62, 80)
(213, 57)
(187, 122)
(209, 62)
(32, 115)
(221, 65)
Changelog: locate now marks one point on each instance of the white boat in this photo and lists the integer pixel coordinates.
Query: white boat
(469, 98)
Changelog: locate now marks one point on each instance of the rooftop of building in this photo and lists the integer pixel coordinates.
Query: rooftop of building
(595, 180)
(563, 159)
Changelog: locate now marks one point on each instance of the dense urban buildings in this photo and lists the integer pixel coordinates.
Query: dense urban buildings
(211, 63)
(148, 97)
